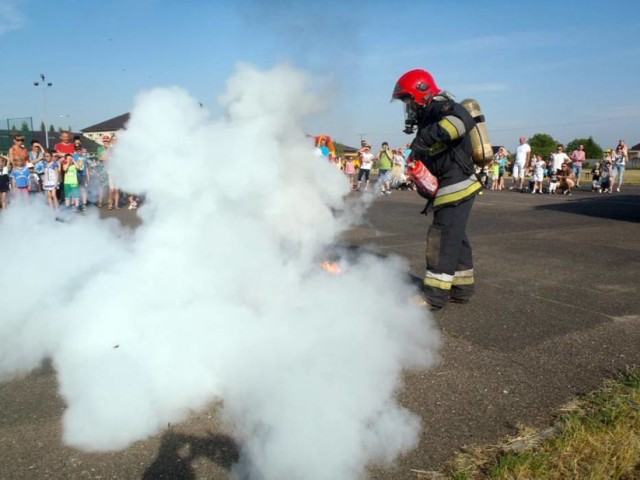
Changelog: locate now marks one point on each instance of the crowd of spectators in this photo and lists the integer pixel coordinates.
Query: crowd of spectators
(559, 173)
(66, 176)
(391, 164)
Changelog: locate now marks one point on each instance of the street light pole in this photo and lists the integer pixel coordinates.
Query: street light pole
(45, 85)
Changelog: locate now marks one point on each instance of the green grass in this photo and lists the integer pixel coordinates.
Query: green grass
(598, 437)
(631, 177)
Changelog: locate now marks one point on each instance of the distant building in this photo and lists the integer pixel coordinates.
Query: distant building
(108, 127)
(634, 155)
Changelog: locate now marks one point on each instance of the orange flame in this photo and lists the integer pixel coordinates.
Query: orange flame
(331, 267)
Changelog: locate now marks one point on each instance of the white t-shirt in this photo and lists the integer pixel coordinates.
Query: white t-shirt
(521, 153)
(366, 161)
(559, 159)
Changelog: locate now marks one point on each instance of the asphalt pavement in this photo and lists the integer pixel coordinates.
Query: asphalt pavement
(556, 312)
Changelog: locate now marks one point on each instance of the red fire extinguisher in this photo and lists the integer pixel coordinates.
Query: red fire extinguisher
(424, 180)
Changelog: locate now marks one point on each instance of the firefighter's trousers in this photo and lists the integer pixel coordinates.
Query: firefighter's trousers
(449, 272)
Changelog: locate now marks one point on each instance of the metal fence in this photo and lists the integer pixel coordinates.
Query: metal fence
(21, 125)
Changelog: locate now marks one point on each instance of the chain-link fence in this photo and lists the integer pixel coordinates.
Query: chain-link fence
(21, 125)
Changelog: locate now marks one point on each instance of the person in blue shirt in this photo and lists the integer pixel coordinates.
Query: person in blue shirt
(20, 179)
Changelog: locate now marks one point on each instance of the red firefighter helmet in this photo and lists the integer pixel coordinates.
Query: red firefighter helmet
(418, 85)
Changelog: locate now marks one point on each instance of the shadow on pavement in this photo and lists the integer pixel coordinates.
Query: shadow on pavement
(178, 452)
(614, 207)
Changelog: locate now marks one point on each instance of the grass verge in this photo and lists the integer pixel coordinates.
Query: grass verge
(595, 437)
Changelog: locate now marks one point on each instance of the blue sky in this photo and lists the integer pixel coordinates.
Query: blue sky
(569, 69)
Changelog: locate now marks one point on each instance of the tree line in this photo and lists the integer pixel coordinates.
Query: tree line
(544, 144)
(25, 128)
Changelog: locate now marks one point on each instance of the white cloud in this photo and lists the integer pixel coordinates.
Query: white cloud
(10, 17)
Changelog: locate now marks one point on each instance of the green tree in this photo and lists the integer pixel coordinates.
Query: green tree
(52, 129)
(24, 127)
(591, 148)
(43, 128)
(542, 144)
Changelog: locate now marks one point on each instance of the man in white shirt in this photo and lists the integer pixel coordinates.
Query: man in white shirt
(521, 163)
(559, 158)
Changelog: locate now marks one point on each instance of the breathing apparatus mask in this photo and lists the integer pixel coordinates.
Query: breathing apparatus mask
(410, 117)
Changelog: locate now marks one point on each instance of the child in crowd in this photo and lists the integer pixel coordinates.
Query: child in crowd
(5, 182)
(133, 202)
(97, 180)
(607, 173)
(553, 179)
(503, 162)
(484, 176)
(350, 171)
(36, 153)
(34, 181)
(495, 172)
(596, 186)
(71, 185)
(50, 180)
(20, 180)
(80, 159)
(538, 174)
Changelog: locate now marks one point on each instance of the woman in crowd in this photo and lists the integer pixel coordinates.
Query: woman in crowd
(566, 179)
(619, 164)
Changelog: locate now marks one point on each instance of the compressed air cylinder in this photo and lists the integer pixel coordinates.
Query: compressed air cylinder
(482, 152)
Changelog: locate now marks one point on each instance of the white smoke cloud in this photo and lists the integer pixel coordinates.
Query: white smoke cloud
(219, 294)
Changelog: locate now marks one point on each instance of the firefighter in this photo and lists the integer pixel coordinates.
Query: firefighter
(443, 145)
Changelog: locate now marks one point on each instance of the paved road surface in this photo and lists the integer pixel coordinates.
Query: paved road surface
(556, 311)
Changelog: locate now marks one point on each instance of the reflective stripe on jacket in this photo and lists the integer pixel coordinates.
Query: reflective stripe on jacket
(457, 192)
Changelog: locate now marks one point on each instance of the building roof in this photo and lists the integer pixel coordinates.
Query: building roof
(635, 147)
(112, 125)
(345, 148)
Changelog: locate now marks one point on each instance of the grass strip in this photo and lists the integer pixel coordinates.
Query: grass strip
(594, 437)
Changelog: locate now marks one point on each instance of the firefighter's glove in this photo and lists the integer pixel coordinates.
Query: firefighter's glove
(420, 147)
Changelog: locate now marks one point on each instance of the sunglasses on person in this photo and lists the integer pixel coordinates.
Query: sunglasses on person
(19, 139)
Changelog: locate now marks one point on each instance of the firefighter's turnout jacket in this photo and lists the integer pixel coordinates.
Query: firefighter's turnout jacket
(443, 145)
